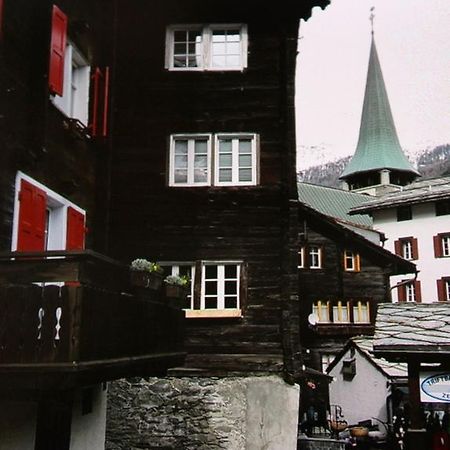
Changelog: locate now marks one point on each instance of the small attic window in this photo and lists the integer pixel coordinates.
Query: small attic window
(349, 369)
(404, 213)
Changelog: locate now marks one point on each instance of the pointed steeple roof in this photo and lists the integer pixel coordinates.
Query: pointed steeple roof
(378, 145)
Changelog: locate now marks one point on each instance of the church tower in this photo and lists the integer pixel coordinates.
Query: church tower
(378, 164)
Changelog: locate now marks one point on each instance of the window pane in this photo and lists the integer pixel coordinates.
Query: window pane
(179, 36)
(245, 174)
(181, 147)
(234, 48)
(200, 161)
(245, 160)
(210, 272)
(200, 175)
(193, 61)
(225, 160)
(211, 303)
(195, 36)
(179, 61)
(179, 49)
(225, 175)
(233, 36)
(233, 61)
(230, 302)
(181, 162)
(230, 271)
(218, 36)
(219, 61)
(245, 146)
(225, 145)
(201, 147)
(180, 176)
(218, 49)
(230, 287)
(210, 287)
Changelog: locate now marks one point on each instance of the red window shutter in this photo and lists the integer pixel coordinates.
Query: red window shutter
(415, 248)
(75, 229)
(401, 293)
(437, 242)
(398, 248)
(441, 290)
(57, 51)
(100, 102)
(418, 291)
(32, 218)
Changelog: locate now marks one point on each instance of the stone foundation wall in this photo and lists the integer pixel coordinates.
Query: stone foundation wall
(248, 413)
(320, 444)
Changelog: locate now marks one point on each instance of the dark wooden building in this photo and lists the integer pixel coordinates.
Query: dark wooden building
(203, 169)
(69, 319)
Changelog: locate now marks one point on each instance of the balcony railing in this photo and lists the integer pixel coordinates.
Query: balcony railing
(73, 315)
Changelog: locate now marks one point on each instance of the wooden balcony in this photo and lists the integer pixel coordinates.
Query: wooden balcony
(87, 326)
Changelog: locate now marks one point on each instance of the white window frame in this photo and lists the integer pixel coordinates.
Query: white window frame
(312, 253)
(205, 54)
(74, 102)
(410, 292)
(321, 309)
(407, 249)
(445, 245)
(447, 289)
(175, 270)
(325, 360)
(220, 284)
(235, 139)
(353, 259)
(361, 312)
(301, 258)
(190, 138)
(57, 206)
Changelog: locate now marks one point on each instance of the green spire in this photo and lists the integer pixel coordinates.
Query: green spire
(378, 145)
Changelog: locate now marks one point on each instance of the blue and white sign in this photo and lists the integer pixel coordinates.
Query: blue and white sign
(435, 387)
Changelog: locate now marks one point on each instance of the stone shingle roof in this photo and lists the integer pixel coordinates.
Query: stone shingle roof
(378, 145)
(334, 202)
(419, 192)
(420, 328)
(393, 369)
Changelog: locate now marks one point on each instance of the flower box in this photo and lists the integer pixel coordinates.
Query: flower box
(148, 280)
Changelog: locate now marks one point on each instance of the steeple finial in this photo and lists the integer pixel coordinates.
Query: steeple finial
(371, 17)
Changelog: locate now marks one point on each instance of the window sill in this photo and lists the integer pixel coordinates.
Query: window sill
(212, 313)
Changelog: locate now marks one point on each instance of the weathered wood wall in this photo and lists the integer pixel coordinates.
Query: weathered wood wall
(254, 224)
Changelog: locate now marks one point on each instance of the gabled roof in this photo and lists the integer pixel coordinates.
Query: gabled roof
(418, 192)
(412, 328)
(358, 242)
(378, 145)
(364, 345)
(334, 202)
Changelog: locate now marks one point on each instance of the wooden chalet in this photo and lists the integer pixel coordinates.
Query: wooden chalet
(69, 318)
(203, 170)
(343, 272)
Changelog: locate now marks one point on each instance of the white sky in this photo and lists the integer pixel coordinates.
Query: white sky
(413, 43)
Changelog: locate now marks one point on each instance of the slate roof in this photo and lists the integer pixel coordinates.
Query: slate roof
(392, 369)
(378, 145)
(334, 202)
(418, 192)
(412, 328)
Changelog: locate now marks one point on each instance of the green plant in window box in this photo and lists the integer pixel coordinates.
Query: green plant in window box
(177, 288)
(146, 274)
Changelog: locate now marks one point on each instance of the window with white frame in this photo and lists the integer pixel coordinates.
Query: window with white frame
(74, 102)
(321, 309)
(351, 261)
(361, 312)
(326, 359)
(194, 158)
(301, 258)
(447, 289)
(235, 159)
(190, 160)
(220, 286)
(206, 47)
(410, 292)
(341, 312)
(407, 249)
(315, 257)
(445, 243)
(182, 269)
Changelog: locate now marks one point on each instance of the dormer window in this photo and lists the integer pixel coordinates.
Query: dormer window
(206, 47)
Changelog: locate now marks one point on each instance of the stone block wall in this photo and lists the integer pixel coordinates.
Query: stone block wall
(233, 413)
(320, 444)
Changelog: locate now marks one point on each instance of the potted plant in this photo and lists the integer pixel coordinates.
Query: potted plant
(177, 289)
(146, 274)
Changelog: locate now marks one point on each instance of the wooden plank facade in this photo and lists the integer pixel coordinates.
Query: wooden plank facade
(252, 225)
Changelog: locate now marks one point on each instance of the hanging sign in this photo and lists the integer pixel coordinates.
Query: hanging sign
(435, 387)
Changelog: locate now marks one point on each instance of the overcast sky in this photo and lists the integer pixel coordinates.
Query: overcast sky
(413, 43)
